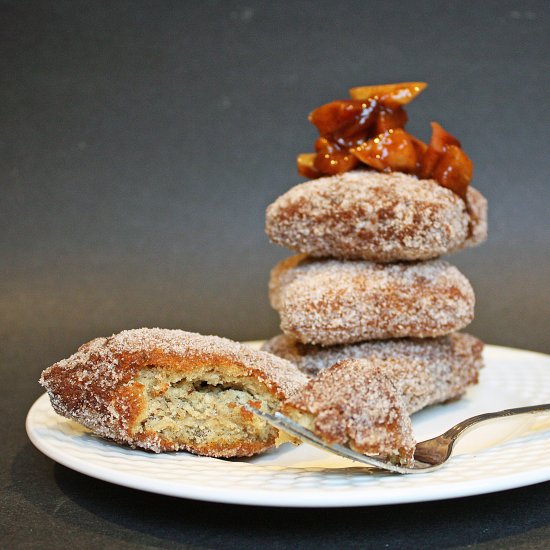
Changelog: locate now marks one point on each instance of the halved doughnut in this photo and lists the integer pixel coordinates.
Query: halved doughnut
(166, 390)
(359, 403)
(366, 403)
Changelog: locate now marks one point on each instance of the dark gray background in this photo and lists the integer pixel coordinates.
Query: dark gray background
(140, 145)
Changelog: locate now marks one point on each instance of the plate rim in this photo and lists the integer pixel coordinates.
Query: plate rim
(309, 498)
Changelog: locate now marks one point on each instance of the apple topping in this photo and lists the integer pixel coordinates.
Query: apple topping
(369, 129)
(306, 165)
(454, 170)
(391, 95)
(391, 151)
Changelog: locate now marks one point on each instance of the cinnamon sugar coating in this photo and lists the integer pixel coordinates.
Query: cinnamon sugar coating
(376, 216)
(359, 403)
(365, 401)
(165, 390)
(455, 359)
(477, 209)
(330, 302)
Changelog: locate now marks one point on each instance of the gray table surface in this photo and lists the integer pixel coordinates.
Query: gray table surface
(140, 145)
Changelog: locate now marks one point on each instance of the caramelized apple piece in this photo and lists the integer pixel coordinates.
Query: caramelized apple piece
(343, 116)
(393, 150)
(446, 162)
(441, 138)
(333, 116)
(321, 145)
(348, 128)
(336, 163)
(331, 159)
(454, 170)
(389, 119)
(391, 95)
(427, 163)
(419, 145)
(306, 165)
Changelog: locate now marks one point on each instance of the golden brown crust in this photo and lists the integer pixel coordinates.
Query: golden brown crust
(477, 209)
(375, 216)
(357, 403)
(456, 358)
(329, 302)
(365, 401)
(99, 386)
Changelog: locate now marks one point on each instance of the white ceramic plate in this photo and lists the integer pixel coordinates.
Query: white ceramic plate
(490, 459)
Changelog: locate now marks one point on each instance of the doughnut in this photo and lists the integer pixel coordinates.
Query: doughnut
(456, 357)
(358, 403)
(169, 390)
(383, 217)
(366, 403)
(329, 302)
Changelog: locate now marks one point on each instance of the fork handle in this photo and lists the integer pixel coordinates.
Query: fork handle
(465, 425)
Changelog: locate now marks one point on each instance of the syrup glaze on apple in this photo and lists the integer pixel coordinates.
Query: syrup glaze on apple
(369, 130)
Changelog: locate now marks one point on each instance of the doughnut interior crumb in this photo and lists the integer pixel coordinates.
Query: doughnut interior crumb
(203, 409)
(169, 390)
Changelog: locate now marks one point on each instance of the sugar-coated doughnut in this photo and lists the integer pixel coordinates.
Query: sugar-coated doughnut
(166, 390)
(369, 215)
(457, 357)
(366, 403)
(358, 403)
(330, 302)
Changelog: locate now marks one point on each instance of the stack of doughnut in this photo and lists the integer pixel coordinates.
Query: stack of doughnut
(369, 313)
(368, 310)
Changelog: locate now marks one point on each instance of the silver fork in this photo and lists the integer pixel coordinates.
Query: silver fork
(429, 455)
